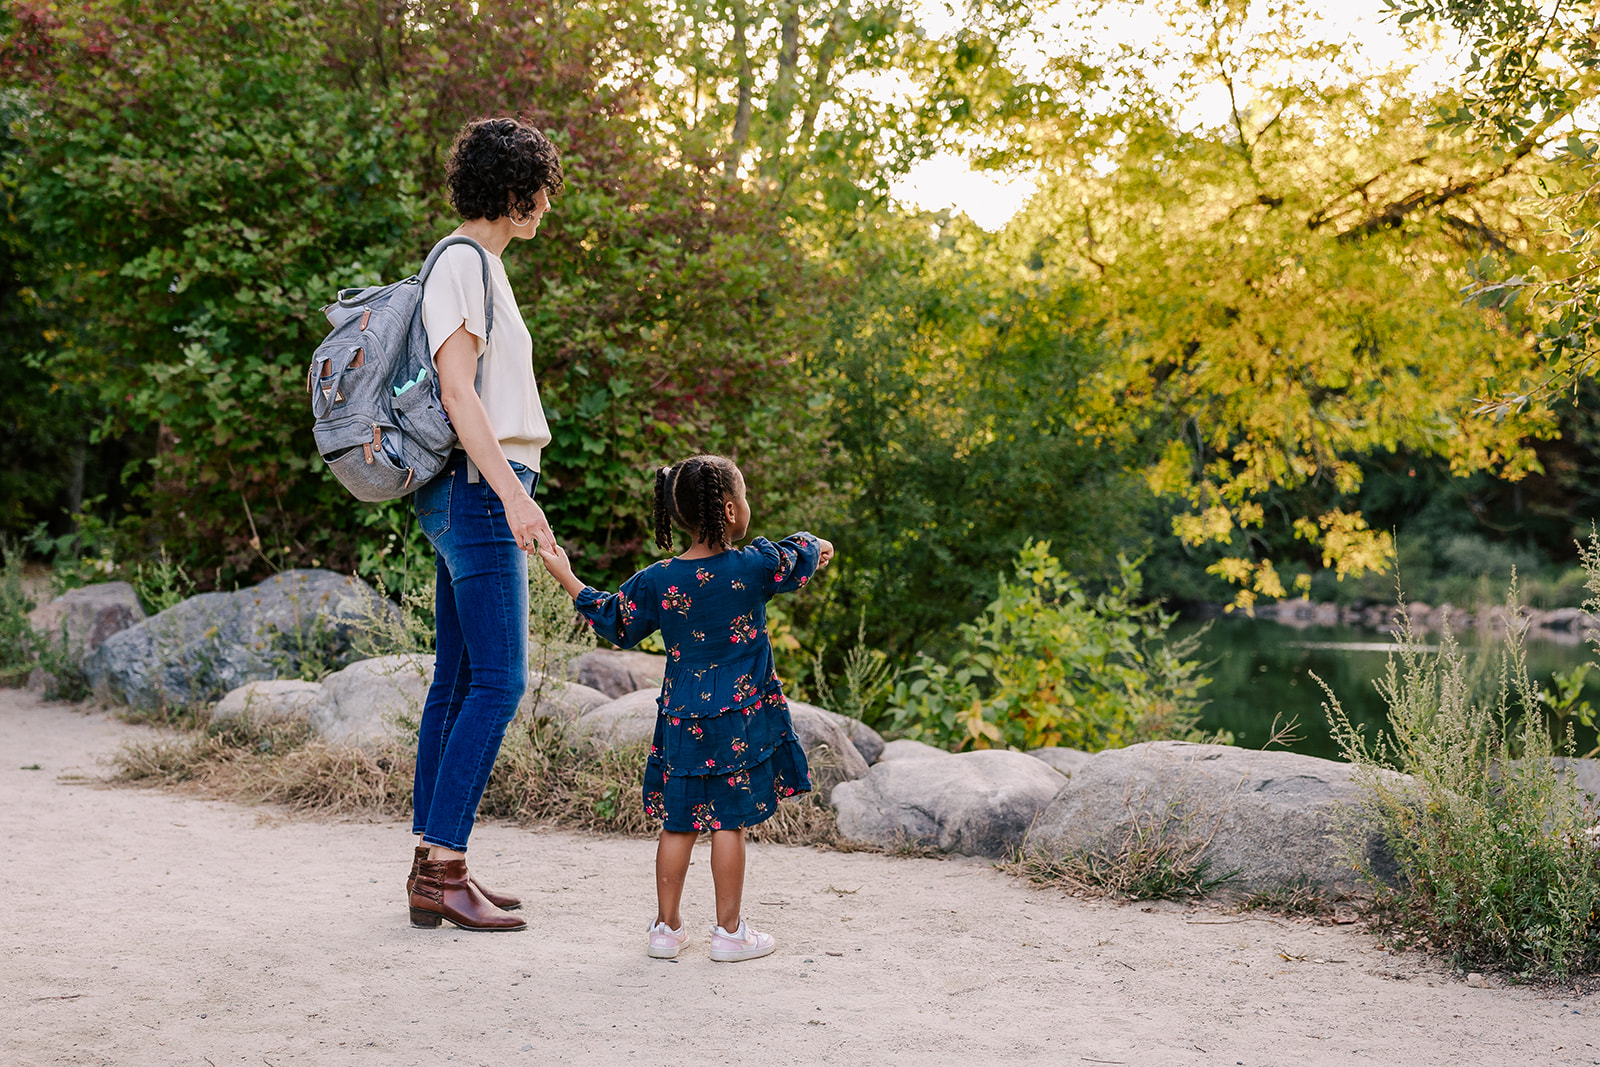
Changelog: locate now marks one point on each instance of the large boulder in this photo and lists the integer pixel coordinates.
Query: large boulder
(905, 748)
(830, 753)
(974, 803)
(1276, 818)
(286, 698)
(867, 741)
(372, 700)
(1065, 760)
(82, 619)
(627, 720)
(617, 673)
(209, 644)
(556, 698)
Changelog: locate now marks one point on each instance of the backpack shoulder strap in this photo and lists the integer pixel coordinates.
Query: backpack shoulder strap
(488, 290)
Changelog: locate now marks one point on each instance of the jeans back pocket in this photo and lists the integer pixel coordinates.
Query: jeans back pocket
(433, 506)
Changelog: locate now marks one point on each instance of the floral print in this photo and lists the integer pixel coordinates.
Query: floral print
(743, 629)
(703, 575)
(676, 601)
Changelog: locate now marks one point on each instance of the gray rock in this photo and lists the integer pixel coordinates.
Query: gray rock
(558, 699)
(974, 803)
(212, 643)
(627, 720)
(86, 617)
(830, 753)
(372, 700)
(1586, 772)
(284, 699)
(1065, 760)
(617, 673)
(904, 749)
(868, 741)
(1277, 818)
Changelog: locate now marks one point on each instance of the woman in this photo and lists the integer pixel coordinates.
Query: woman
(479, 512)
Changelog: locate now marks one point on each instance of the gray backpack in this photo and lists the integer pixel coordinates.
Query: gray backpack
(380, 425)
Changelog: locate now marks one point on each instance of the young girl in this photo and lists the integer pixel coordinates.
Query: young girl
(724, 748)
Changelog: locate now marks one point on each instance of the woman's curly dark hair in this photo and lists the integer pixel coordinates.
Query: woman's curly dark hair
(691, 494)
(497, 167)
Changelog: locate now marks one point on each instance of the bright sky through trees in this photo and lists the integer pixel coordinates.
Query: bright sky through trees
(992, 198)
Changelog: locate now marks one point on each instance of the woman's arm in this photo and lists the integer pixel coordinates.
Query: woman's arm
(457, 361)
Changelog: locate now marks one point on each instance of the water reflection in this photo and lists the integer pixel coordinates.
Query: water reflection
(1263, 670)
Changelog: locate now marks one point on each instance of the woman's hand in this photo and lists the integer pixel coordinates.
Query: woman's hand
(528, 525)
(824, 552)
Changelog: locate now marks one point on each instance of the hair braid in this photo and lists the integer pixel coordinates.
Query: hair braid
(713, 522)
(664, 508)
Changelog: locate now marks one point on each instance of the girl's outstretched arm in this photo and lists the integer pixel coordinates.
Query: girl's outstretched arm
(793, 560)
(624, 618)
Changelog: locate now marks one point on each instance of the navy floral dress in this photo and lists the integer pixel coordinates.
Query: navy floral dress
(724, 750)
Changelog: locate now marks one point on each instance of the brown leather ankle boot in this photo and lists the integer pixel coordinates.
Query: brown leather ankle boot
(503, 901)
(444, 890)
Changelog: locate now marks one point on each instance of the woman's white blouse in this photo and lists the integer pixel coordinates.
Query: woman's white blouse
(452, 297)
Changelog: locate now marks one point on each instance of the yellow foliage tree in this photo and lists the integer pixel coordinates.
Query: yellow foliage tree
(1283, 289)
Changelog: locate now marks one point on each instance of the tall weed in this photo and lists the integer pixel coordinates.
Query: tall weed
(1497, 848)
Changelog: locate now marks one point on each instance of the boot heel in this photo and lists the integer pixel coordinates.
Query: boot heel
(427, 920)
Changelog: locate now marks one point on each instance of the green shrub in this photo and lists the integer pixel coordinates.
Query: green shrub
(1497, 850)
(16, 635)
(1047, 664)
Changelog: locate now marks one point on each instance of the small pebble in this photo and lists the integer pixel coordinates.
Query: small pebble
(808, 959)
(1477, 981)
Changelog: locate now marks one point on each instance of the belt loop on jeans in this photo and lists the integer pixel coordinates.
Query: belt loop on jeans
(473, 477)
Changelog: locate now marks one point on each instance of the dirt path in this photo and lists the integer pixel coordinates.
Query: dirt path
(148, 928)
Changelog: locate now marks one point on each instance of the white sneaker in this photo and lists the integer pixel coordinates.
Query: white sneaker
(665, 942)
(743, 944)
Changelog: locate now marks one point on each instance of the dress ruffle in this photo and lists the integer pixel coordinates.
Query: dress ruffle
(723, 743)
(686, 803)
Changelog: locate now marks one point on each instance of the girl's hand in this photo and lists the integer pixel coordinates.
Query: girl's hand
(560, 567)
(528, 524)
(824, 553)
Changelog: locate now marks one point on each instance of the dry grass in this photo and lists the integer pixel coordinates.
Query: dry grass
(272, 761)
(546, 773)
(1158, 858)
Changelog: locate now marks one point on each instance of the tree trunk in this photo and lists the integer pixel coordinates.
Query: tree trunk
(741, 116)
(781, 103)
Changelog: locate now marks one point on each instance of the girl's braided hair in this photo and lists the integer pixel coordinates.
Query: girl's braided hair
(690, 494)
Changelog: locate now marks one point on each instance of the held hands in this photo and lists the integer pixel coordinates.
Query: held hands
(528, 525)
(560, 567)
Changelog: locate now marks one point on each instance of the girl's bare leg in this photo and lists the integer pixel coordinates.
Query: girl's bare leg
(727, 874)
(672, 867)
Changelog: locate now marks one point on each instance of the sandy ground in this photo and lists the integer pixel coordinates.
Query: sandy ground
(149, 928)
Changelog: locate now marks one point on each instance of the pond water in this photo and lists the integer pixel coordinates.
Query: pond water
(1261, 670)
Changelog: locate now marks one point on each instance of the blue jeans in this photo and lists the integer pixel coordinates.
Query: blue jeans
(481, 664)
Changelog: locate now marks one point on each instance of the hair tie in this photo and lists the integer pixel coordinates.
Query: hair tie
(667, 469)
